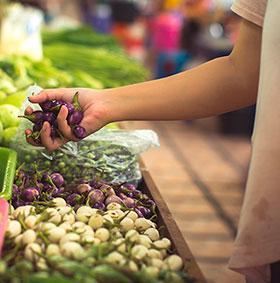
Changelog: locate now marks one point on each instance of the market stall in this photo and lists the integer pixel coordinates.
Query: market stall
(88, 212)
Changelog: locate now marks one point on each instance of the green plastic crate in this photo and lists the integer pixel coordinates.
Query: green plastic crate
(8, 161)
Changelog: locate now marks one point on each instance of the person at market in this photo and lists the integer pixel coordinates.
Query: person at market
(250, 73)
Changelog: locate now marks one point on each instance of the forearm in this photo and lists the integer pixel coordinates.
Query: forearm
(210, 89)
(221, 85)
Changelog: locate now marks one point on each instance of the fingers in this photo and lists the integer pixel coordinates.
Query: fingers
(29, 139)
(28, 110)
(49, 143)
(46, 140)
(50, 94)
(63, 126)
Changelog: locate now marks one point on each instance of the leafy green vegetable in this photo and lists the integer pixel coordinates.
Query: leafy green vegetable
(82, 36)
(111, 68)
(8, 134)
(3, 95)
(1, 131)
(15, 99)
(9, 115)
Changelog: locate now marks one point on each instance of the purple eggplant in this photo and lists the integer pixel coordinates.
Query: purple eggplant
(15, 189)
(19, 202)
(73, 199)
(49, 117)
(83, 188)
(99, 205)
(30, 194)
(95, 196)
(58, 192)
(137, 194)
(57, 179)
(113, 198)
(122, 196)
(35, 117)
(129, 202)
(94, 184)
(129, 187)
(75, 118)
(79, 132)
(69, 106)
(50, 104)
(138, 212)
(107, 190)
(146, 212)
(37, 127)
(48, 188)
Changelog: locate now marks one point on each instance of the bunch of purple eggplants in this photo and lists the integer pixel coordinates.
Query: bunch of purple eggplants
(39, 188)
(49, 112)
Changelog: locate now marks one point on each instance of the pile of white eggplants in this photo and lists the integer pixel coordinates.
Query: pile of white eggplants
(60, 231)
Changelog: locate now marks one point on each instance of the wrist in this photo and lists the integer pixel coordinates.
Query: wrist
(115, 105)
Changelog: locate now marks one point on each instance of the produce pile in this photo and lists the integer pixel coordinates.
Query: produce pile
(40, 187)
(89, 159)
(91, 232)
(94, 54)
(86, 246)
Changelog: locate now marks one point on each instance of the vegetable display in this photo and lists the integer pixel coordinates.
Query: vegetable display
(40, 188)
(110, 246)
(111, 68)
(94, 54)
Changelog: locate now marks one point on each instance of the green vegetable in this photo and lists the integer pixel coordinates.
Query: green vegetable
(15, 99)
(9, 115)
(8, 134)
(81, 36)
(41, 278)
(111, 68)
(2, 95)
(108, 274)
(1, 131)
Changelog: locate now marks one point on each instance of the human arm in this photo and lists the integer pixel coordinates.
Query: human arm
(218, 86)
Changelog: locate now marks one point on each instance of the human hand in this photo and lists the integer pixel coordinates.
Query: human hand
(94, 106)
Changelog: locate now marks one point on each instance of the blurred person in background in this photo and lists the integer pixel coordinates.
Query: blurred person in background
(249, 74)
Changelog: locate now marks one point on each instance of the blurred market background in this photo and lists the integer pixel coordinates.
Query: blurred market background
(201, 166)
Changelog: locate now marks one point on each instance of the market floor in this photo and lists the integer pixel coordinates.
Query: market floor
(201, 175)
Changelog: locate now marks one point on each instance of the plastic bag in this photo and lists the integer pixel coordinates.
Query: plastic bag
(110, 155)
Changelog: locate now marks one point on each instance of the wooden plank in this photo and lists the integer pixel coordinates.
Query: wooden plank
(170, 228)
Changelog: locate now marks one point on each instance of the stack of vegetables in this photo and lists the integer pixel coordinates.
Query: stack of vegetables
(81, 49)
(89, 232)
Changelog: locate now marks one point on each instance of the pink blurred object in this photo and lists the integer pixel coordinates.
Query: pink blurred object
(4, 211)
(166, 32)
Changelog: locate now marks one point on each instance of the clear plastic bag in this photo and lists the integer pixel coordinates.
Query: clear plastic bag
(111, 155)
